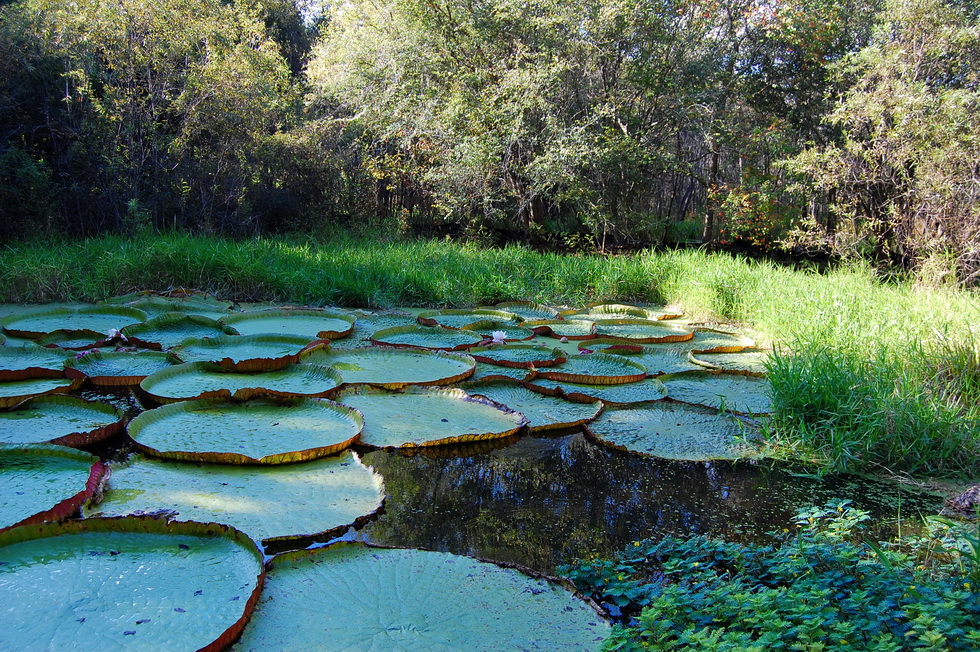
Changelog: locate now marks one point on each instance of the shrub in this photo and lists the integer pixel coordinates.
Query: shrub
(819, 587)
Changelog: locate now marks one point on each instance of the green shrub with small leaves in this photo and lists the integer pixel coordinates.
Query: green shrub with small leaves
(819, 587)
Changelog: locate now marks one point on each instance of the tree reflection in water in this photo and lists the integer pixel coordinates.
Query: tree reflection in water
(544, 501)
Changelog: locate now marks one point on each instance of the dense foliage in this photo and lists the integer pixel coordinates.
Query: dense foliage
(843, 126)
(820, 587)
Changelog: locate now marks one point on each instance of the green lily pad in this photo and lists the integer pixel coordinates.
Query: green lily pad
(428, 417)
(607, 311)
(659, 359)
(748, 363)
(119, 584)
(739, 394)
(518, 355)
(207, 380)
(642, 331)
(314, 324)
(246, 352)
(44, 483)
(710, 340)
(259, 431)
(101, 319)
(642, 391)
(154, 304)
(427, 337)
(367, 598)
(527, 310)
(62, 420)
(672, 431)
(367, 324)
(507, 332)
(393, 368)
(596, 369)
(664, 312)
(15, 391)
(117, 368)
(486, 371)
(269, 502)
(573, 330)
(461, 318)
(170, 329)
(31, 361)
(72, 340)
(542, 412)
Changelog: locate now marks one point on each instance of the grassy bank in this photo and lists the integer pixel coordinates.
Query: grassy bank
(883, 375)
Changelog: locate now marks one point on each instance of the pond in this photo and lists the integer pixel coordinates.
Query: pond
(583, 433)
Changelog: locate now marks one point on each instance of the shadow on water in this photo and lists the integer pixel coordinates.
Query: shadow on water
(545, 501)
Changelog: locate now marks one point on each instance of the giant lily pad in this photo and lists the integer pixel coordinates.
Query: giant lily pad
(740, 394)
(63, 420)
(45, 483)
(461, 318)
(527, 310)
(35, 323)
(31, 361)
(367, 324)
(620, 311)
(748, 363)
(16, 391)
(711, 340)
(518, 355)
(542, 412)
(247, 352)
(268, 503)
(394, 368)
(642, 330)
(596, 369)
(260, 431)
(366, 598)
(570, 329)
(427, 417)
(117, 368)
(314, 324)
(72, 339)
(427, 337)
(486, 371)
(642, 391)
(208, 380)
(659, 359)
(117, 584)
(156, 303)
(672, 431)
(501, 330)
(170, 329)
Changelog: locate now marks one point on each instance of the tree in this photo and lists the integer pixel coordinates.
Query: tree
(145, 114)
(906, 177)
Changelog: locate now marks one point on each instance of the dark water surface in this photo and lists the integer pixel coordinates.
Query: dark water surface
(542, 501)
(545, 501)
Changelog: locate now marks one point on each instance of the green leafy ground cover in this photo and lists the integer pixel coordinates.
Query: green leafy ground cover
(820, 587)
(883, 376)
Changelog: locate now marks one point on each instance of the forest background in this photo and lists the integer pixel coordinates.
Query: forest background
(842, 128)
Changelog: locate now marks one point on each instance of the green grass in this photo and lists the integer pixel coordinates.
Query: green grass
(880, 375)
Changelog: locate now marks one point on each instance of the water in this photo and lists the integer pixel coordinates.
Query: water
(543, 501)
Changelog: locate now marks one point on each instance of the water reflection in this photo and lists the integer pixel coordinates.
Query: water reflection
(544, 501)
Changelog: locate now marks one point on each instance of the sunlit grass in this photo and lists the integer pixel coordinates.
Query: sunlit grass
(874, 374)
